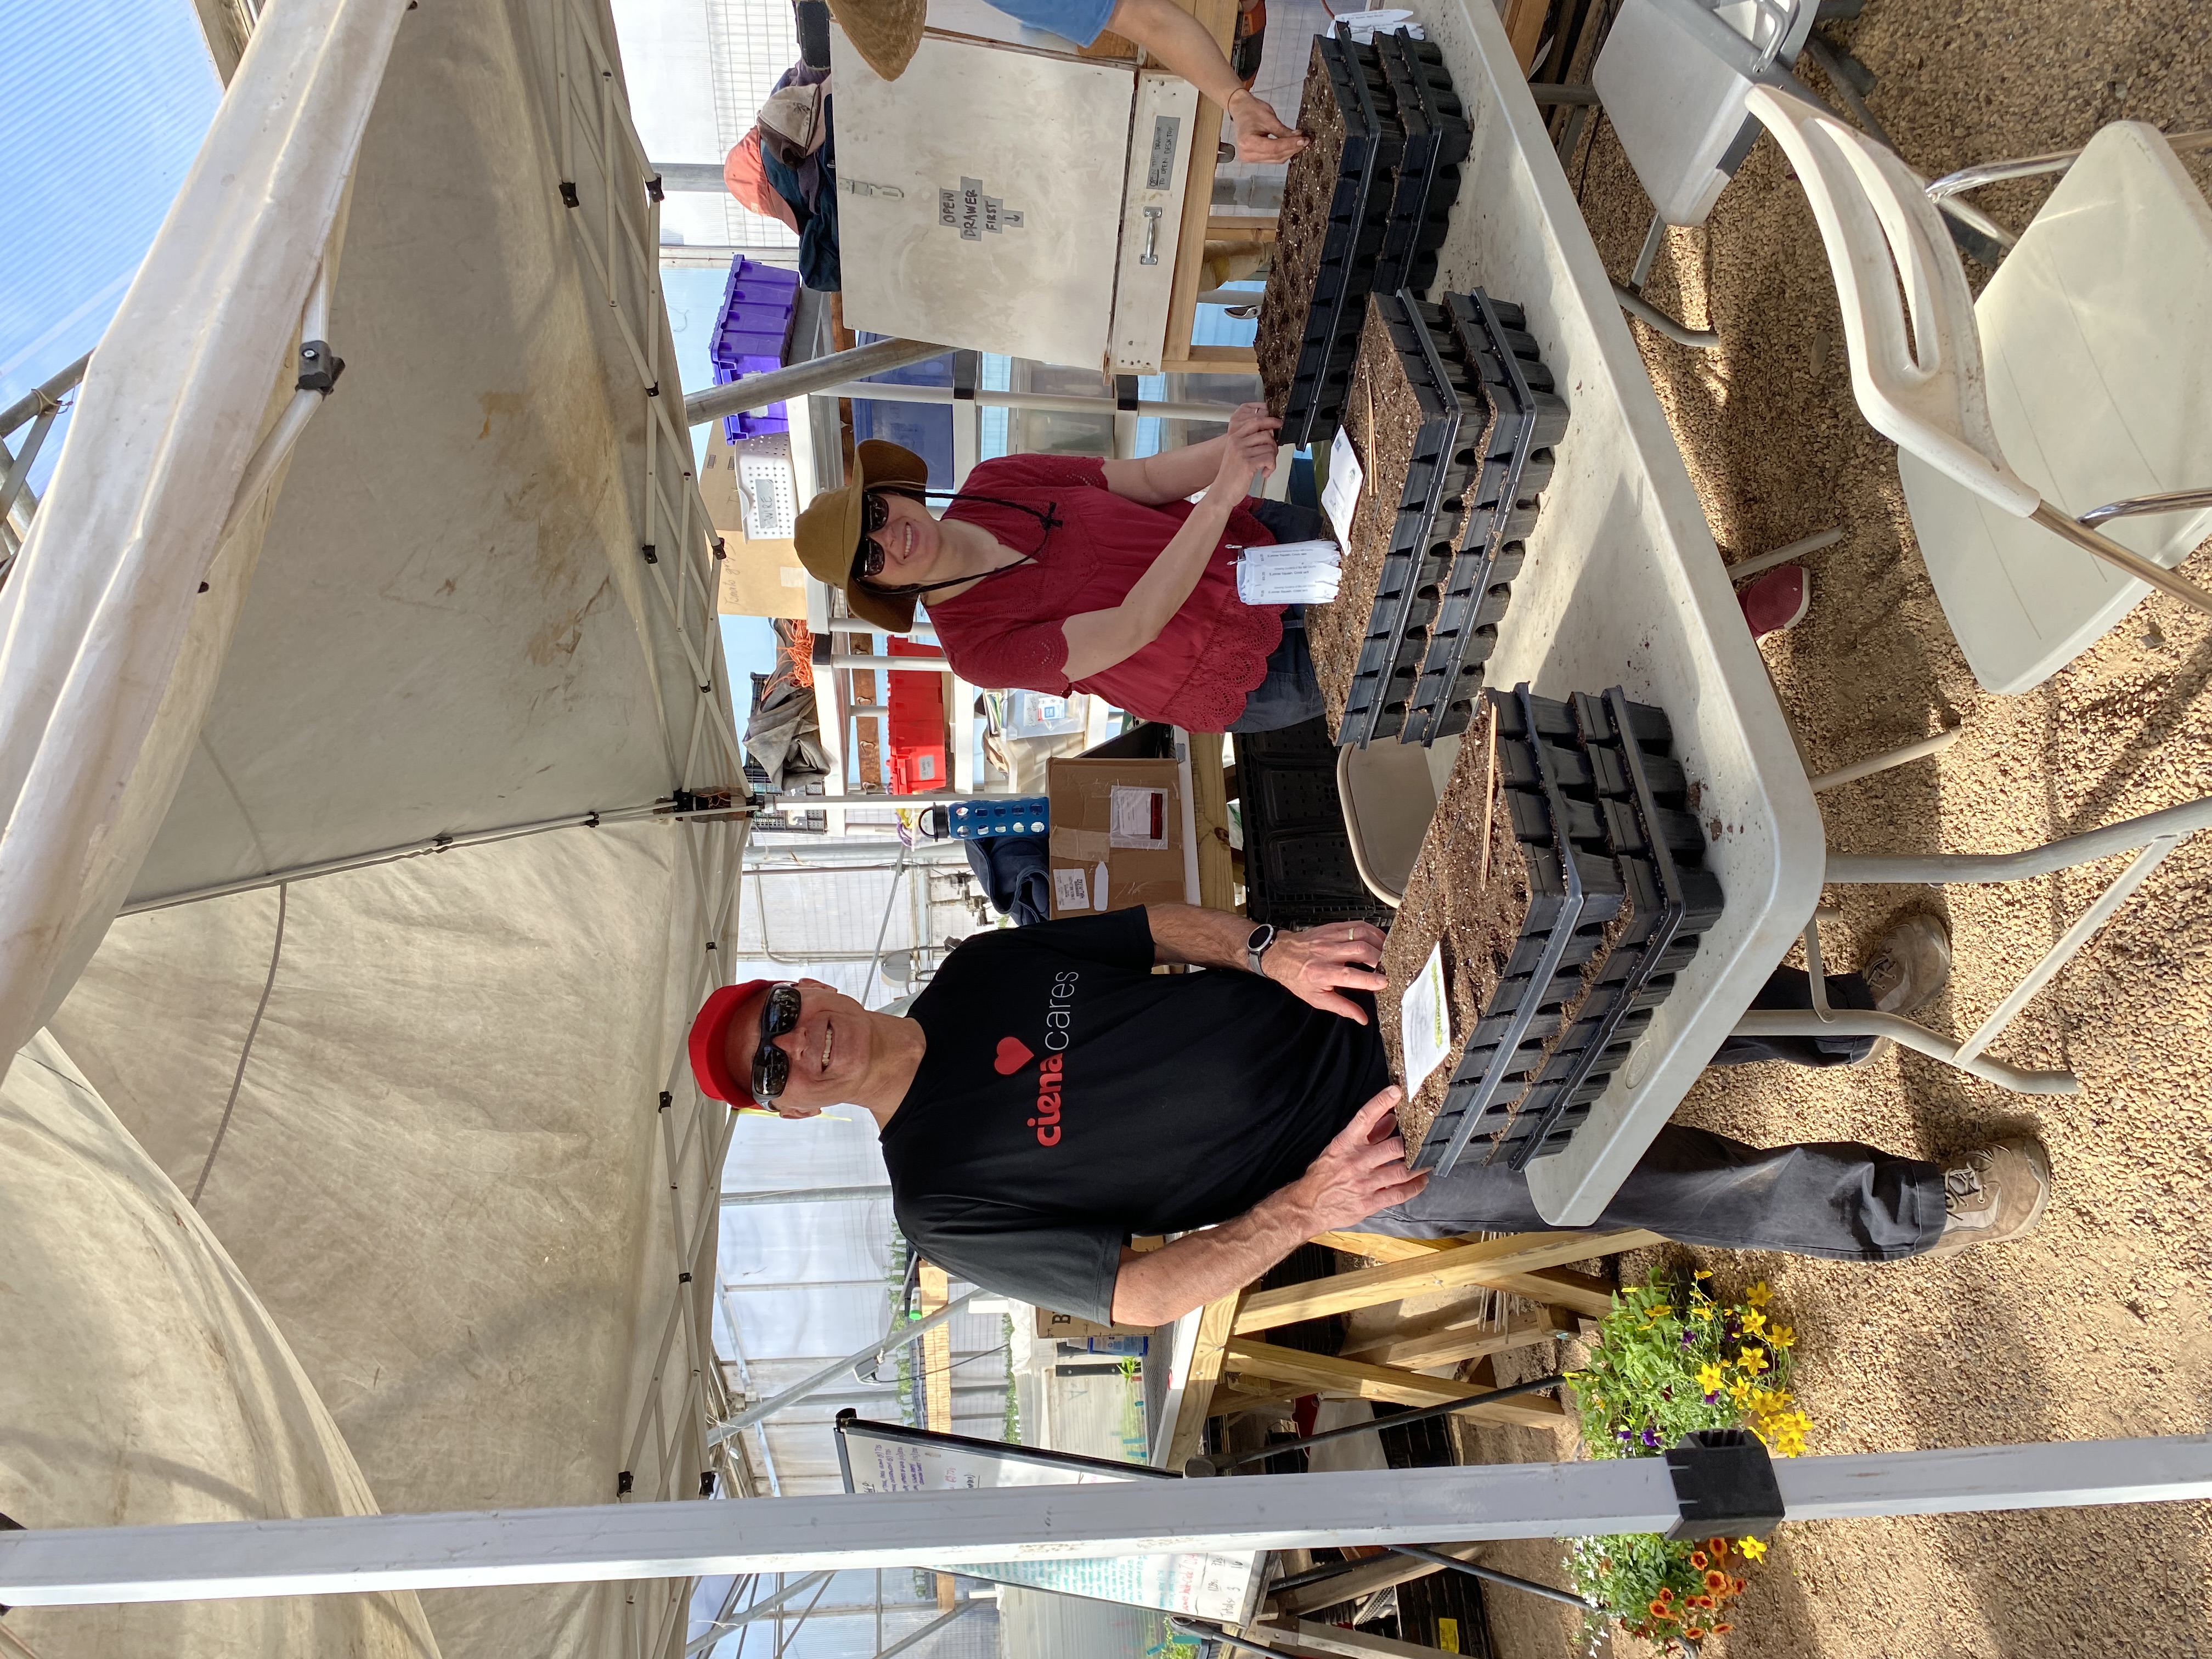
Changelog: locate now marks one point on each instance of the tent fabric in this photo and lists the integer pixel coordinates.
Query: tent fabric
(108, 649)
(442, 1169)
(141, 1382)
(456, 1129)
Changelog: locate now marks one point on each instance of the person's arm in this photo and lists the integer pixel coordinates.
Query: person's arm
(1181, 42)
(1097, 640)
(1356, 1175)
(1175, 475)
(1312, 964)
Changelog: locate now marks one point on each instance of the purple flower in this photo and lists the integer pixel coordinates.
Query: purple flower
(1625, 1434)
(1688, 1339)
(1651, 1438)
(1712, 1398)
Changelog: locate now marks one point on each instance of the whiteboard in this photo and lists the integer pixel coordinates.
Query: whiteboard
(891, 1457)
(980, 199)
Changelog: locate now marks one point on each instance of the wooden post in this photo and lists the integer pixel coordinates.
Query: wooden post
(935, 1290)
(1583, 1293)
(1441, 1270)
(1213, 1328)
(1325, 1374)
(1209, 794)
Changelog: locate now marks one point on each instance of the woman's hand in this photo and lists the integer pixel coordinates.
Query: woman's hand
(1261, 134)
(1316, 963)
(1250, 448)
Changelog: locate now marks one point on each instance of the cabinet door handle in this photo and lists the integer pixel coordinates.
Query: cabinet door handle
(1149, 255)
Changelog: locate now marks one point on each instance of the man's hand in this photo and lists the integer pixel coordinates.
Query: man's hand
(1360, 1172)
(1316, 963)
(1261, 135)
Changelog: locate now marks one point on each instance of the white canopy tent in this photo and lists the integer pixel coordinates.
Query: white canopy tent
(261, 646)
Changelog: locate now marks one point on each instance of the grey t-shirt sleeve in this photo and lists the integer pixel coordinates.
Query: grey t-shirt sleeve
(1069, 1268)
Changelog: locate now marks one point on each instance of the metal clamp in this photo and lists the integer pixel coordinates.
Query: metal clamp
(319, 367)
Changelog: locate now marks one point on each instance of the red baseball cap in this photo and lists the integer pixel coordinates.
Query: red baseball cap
(710, 1044)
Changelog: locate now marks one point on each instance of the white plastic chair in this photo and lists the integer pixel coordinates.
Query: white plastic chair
(1919, 373)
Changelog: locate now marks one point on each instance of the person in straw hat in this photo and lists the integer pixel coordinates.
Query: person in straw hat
(1062, 573)
(886, 31)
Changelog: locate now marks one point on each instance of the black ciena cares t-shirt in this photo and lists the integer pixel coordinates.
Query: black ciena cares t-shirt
(1070, 1098)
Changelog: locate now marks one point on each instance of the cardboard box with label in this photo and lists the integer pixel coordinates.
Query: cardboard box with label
(1116, 837)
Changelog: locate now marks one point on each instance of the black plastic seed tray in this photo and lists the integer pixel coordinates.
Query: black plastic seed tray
(1631, 782)
(1358, 214)
(1437, 139)
(1298, 868)
(1491, 338)
(1574, 894)
(1442, 471)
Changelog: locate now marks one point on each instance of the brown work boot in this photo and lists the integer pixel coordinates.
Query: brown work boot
(1910, 966)
(1993, 1193)
(1908, 970)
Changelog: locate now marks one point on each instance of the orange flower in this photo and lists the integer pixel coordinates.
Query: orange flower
(1723, 1629)
(1698, 1560)
(1715, 1580)
(1718, 1548)
(1739, 1586)
(1659, 1609)
(1701, 1601)
(1695, 1632)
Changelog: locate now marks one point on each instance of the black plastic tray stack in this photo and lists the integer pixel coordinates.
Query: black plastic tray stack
(1603, 768)
(1491, 337)
(1442, 472)
(1438, 139)
(1358, 214)
(1298, 868)
(1574, 891)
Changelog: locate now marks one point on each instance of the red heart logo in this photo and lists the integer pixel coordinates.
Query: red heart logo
(1013, 1055)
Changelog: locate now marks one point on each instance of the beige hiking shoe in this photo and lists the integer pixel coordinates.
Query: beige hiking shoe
(1993, 1193)
(1908, 970)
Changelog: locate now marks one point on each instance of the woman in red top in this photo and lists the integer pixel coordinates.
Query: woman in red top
(1063, 574)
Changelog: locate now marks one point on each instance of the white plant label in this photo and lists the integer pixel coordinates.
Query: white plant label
(1345, 477)
(1425, 1023)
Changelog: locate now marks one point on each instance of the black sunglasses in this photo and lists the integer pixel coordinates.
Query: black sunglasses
(875, 514)
(771, 1065)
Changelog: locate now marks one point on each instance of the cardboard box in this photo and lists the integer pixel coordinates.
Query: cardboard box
(1118, 822)
(760, 576)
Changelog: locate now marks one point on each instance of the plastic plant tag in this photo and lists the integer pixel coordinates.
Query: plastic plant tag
(1098, 888)
(1425, 1023)
(1345, 477)
(1069, 889)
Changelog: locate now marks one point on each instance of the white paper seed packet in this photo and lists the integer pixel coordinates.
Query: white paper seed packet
(1425, 1023)
(1345, 477)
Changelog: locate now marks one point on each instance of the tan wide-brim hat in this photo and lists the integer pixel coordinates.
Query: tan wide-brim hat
(828, 531)
(884, 31)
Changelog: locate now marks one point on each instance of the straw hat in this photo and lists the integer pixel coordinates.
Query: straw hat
(829, 532)
(884, 31)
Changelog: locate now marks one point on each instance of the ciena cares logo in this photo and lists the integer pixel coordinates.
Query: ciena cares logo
(1014, 1053)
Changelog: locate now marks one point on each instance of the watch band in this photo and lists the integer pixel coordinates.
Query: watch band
(1256, 945)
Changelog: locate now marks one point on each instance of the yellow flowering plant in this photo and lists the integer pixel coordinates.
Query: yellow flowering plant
(1670, 1358)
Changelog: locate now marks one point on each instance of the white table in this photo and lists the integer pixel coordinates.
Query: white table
(1624, 586)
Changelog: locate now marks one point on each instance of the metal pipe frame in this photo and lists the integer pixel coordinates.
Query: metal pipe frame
(1852, 870)
(2171, 500)
(1056, 402)
(777, 385)
(2090, 541)
(349, 1554)
(893, 1339)
(1700, 339)
(1946, 192)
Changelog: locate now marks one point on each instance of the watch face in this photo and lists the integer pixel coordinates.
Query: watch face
(1262, 937)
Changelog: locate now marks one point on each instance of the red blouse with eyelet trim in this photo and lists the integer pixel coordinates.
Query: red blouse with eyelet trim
(1005, 632)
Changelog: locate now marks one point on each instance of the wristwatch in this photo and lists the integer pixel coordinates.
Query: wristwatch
(1257, 946)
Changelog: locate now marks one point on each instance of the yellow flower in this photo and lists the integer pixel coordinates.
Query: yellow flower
(1781, 1336)
(1740, 1390)
(1753, 1360)
(1656, 1312)
(1710, 1378)
(1705, 1272)
(1758, 1296)
(1754, 1322)
(1704, 1311)
(1755, 1549)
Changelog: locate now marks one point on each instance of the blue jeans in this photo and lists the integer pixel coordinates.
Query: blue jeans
(1290, 693)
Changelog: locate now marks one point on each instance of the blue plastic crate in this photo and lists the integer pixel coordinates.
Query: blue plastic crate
(1020, 815)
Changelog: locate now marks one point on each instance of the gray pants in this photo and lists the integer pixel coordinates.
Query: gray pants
(1834, 1199)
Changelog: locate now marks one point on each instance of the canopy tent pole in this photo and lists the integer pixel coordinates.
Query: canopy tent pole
(950, 1530)
(892, 1340)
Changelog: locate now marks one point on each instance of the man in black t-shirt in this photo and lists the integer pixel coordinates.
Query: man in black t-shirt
(1048, 1097)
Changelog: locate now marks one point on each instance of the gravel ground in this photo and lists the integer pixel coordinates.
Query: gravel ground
(2101, 1323)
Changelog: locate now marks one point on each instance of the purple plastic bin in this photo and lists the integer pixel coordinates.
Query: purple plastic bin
(749, 336)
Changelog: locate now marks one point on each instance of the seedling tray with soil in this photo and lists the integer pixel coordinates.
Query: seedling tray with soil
(1563, 876)
(1489, 336)
(1437, 139)
(1336, 205)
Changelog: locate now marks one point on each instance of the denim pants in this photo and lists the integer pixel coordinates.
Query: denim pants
(1290, 693)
